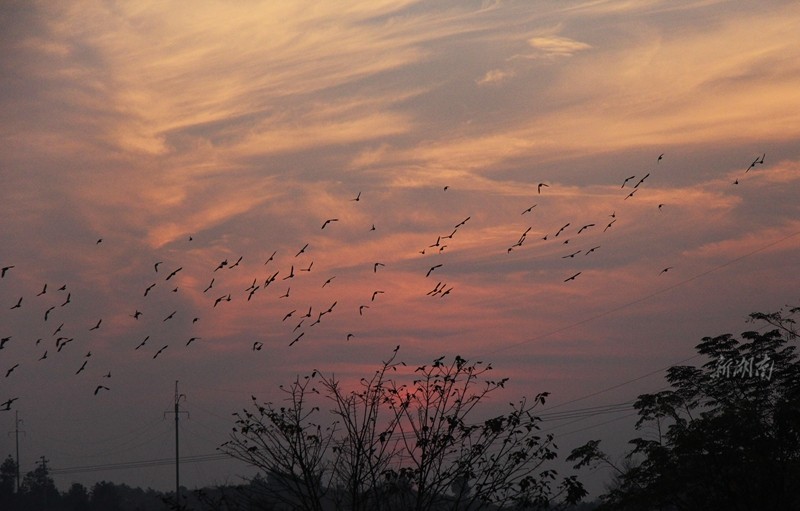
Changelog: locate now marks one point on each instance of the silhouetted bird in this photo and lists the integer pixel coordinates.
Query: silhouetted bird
(6, 406)
(155, 266)
(11, 370)
(159, 351)
(297, 338)
(329, 221)
(172, 315)
(433, 268)
(4, 270)
(142, 343)
(358, 197)
(665, 270)
(302, 250)
(151, 286)
(626, 181)
(257, 346)
(539, 188)
(18, 305)
(44, 290)
(174, 273)
(528, 210)
(96, 390)
(375, 293)
(573, 277)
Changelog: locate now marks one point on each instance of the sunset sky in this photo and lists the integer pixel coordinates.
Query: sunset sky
(195, 133)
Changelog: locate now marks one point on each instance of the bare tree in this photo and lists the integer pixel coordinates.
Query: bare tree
(401, 439)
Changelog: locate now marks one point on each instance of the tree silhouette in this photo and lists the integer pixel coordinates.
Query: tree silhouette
(402, 439)
(727, 435)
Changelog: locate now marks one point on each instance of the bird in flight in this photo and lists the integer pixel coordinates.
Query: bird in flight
(626, 181)
(222, 264)
(210, 284)
(159, 351)
(572, 278)
(99, 387)
(142, 343)
(571, 255)
(191, 340)
(97, 326)
(433, 268)
(309, 267)
(660, 157)
(155, 266)
(757, 161)
(6, 406)
(174, 273)
(11, 370)
(291, 274)
(83, 366)
(641, 180)
(539, 188)
(528, 210)
(361, 309)
(592, 250)
(560, 230)
(151, 286)
(302, 250)
(631, 194)
(460, 224)
(4, 270)
(47, 312)
(44, 290)
(272, 257)
(297, 338)
(287, 293)
(350, 336)
(328, 281)
(18, 304)
(609, 224)
(234, 265)
(289, 315)
(375, 267)
(170, 316)
(329, 221)
(665, 270)
(257, 346)
(585, 227)
(358, 197)
(376, 293)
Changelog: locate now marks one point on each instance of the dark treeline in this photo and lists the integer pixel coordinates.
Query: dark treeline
(38, 492)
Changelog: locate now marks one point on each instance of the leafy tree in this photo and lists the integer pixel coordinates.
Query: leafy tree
(727, 434)
(105, 497)
(76, 498)
(38, 490)
(393, 442)
(8, 477)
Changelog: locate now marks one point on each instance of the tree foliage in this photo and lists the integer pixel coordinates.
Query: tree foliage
(400, 440)
(726, 435)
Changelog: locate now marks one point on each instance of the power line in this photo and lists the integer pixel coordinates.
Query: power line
(641, 299)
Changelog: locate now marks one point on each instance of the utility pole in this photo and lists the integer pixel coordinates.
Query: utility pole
(177, 413)
(17, 422)
(17, 431)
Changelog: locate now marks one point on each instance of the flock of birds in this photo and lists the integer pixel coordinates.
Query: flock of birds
(55, 332)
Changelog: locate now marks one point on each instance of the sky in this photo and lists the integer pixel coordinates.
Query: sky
(575, 191)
